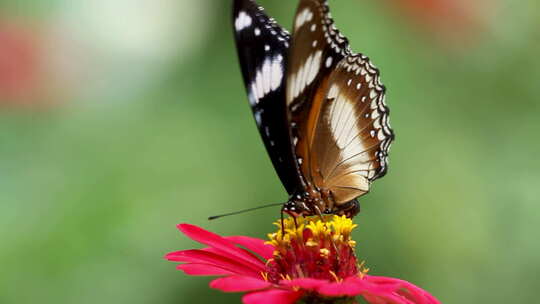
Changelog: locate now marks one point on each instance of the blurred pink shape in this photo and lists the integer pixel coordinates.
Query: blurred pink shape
(449, 21)
(20, 64)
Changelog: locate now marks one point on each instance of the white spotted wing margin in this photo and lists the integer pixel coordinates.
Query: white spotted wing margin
(262, 47)
(337, 109)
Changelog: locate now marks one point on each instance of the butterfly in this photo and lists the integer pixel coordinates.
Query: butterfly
(319, 107)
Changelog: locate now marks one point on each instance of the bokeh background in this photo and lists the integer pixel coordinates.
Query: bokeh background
(120, 119)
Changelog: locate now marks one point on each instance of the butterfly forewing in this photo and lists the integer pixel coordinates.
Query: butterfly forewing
(263, 50)
(316, 49)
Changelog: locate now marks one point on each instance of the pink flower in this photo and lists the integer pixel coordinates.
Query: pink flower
(19, 62)
(453, 23)
(311, 261)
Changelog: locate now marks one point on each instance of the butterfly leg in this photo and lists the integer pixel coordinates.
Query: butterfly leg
(319, 213)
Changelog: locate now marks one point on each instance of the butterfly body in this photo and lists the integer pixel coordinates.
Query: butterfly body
(319, 107)
(317, 202)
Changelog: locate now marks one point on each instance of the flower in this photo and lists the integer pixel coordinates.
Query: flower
(453, 23)
(19, 62)
(311, 260)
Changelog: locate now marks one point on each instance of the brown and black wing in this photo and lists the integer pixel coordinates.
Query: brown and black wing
(341, 133)
(316, 49)
(262, 47)
(352, 134)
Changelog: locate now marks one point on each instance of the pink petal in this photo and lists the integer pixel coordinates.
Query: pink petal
(256, 245)
(341, 289)
(219, 252)
(378, 290)
(371, 299)
(226, 247)
(272, 296)
(199, 256)
(375, 294)
(239, 284)
(383, 280)
(406, 289)
(203, 269)
(353, 286)
(305, 283)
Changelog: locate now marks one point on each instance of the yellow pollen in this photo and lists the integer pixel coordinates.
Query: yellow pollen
(286, 277)
(362, 270)
(264, 275)
(337, 238)
(343, 225)
(311, 243)
(313, 247)
(324, 252)
(295, 233)
(332, 228)
(318, 228)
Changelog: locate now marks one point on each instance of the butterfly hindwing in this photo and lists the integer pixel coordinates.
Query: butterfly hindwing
(340, 123)
(352, 135)
(263, 51)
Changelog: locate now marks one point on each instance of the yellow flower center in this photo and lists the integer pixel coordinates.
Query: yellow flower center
(313, 247)
(331, 228)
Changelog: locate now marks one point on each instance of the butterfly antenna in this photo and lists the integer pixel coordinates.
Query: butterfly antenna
(243, 211)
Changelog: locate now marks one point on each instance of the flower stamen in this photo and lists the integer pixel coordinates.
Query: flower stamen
(336, 278)
(313, 247)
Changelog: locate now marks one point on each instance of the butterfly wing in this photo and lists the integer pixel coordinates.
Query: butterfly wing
(352, 134)
(316, 49)
(336, 105)
(262, 47)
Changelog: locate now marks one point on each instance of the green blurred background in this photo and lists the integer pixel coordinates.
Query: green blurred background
(125, 118)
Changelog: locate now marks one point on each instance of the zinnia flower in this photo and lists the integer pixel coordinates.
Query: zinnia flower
(310, 261)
